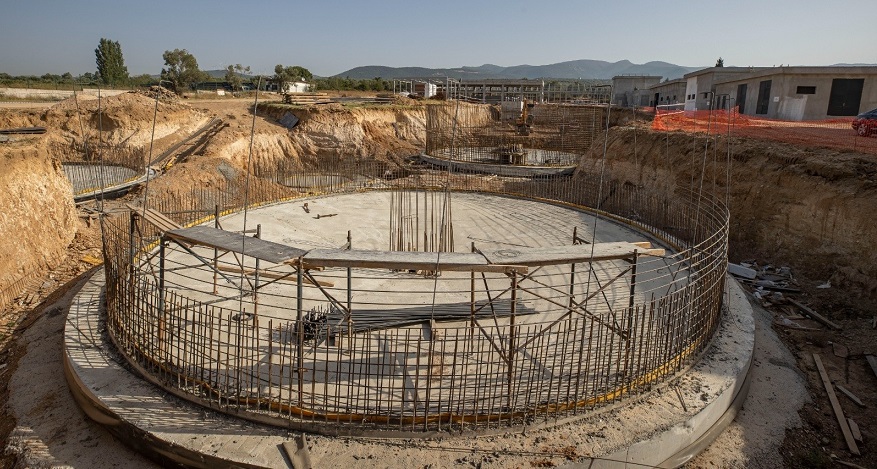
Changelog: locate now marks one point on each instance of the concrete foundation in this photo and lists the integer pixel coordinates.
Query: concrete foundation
(660, 429)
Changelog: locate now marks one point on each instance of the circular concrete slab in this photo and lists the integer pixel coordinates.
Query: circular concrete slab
(655, 430)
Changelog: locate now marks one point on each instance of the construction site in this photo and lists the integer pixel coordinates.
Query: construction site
(428, 283)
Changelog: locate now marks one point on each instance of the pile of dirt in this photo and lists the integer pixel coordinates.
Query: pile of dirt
(123, 119)
(160, 93)
(10, 119)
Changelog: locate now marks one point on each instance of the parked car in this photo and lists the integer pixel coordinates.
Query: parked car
(865, 124)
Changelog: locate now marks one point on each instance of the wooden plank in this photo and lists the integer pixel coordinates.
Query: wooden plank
(399, 260)
(155, 218)
(162, 218)
(835, 405)
(849, 394)
(849, 464)
(872, 360)
(576, 253)
(854, 429)
(235, 242)
(813, 314)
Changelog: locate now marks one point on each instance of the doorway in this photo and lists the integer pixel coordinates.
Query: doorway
(846, 95)
(763, 97)
(741, 97)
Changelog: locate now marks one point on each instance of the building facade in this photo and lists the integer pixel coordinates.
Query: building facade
(668, 93)
(803, 93)
(633, 90)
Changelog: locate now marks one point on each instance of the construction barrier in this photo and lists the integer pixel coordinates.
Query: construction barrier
(835, 133)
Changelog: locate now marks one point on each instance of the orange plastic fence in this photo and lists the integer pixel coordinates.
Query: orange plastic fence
(829, 133)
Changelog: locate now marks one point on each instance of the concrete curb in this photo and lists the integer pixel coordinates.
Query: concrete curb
(685, 438)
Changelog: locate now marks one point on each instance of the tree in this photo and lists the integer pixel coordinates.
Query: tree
(284, 75)
(720, 62)
(143, 80)
(181, 69)
(86, 77)
(111, 69)
(233, 75)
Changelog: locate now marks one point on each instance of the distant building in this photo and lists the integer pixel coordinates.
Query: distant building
(668, 93)
(803, 93)
(632, 90)
(289, 87)
(700, 85)
(425, 89)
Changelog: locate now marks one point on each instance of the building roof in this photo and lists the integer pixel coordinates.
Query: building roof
(704, 71)
(806, 70)
(678, 81)
(616, 77)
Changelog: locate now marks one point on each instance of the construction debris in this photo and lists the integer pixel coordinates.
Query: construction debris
(854, 428)
(297, 452)
(289, 120)
(873, 362)
(161, 93)
(849, 464)
(813, 314)
(741, 271)
(835, 405)
(849, 394)
(23, 131)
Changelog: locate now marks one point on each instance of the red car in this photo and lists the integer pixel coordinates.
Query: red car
(865, 124)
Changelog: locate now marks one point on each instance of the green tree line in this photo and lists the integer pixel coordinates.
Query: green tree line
(181, 73)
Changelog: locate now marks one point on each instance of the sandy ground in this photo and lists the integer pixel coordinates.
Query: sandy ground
(777, 392)
(52, 431)
(26, 104)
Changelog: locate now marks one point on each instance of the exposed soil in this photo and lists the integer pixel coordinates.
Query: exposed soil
(805, 207)
(808, 208)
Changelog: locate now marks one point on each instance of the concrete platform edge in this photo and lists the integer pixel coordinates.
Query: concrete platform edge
(670, 448)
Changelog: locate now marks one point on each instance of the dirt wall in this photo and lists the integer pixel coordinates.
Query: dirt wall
(38, 219)
(383, 132)
(809, 208)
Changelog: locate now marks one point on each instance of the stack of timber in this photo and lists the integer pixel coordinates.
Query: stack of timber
(306, 98)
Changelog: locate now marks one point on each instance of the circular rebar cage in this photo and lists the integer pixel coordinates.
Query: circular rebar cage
(362, 347)
(513, 133)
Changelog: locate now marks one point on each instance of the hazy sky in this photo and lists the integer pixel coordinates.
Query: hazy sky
(329, 37)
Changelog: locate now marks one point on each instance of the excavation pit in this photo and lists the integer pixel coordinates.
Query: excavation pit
(481, 139)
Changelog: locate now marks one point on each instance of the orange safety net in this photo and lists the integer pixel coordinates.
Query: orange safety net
(828, 133)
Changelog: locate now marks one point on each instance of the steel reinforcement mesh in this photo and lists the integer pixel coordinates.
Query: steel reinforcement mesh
(317, 368)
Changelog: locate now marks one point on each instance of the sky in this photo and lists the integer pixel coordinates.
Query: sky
(329, 37)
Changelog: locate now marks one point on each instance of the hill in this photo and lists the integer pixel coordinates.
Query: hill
(575, 69)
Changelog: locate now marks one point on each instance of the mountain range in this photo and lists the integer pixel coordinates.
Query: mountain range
(574, 69)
